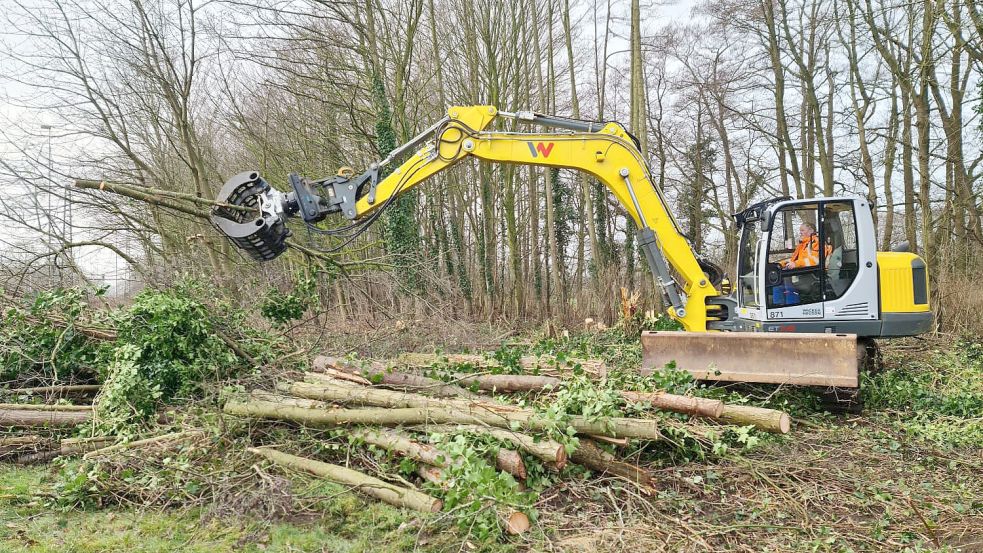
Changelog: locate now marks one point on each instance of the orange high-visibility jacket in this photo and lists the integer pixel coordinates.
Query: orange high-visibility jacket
(806, 253)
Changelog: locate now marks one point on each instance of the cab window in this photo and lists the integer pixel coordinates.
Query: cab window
(747, 264)
(795, 257)
(840, 237)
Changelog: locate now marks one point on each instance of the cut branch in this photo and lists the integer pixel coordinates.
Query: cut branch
(368, 485)
(80, 389)
(590, 455)
(391, 379)
(548, 451)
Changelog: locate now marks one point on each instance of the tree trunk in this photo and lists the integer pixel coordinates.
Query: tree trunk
(908, 172)
(890, 154)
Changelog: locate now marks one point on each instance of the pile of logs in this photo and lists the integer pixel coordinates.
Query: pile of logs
(395, 410)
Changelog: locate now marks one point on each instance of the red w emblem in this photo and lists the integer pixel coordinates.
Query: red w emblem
(540, 148)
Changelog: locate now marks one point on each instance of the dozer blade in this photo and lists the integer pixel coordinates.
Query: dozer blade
(802, 359)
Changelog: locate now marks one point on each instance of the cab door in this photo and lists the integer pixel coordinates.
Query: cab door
(849, 267)
(793, 274)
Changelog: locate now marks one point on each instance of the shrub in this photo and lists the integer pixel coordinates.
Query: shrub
(176, 340)
(40, 339)
(128, 398)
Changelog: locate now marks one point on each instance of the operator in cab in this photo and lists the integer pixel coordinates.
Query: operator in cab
(806, 254)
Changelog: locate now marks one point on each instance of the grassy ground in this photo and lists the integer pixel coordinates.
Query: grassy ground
(907, 475)
(28, 522)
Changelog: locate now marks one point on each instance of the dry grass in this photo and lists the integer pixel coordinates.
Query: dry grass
(842, 487)
(959, 302)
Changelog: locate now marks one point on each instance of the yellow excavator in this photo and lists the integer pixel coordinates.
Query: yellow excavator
(784, 322)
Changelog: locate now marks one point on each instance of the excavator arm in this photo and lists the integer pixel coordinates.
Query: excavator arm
(605, 150)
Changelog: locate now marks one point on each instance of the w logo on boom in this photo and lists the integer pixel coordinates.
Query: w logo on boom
(540, 148)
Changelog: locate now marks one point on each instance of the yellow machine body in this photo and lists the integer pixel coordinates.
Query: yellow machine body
(904, 283)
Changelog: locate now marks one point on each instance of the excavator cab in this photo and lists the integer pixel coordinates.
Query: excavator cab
(809, 323)
(838, 288)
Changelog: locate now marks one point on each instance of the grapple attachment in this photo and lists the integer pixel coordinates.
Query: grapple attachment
(261, 232)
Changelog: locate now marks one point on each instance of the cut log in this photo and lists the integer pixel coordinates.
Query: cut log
(18, 444)
(42, 407)
(477, 414)
(326, 418)
(544, 364)
(31, 418)
(368, 485)
(340, 375)
(509, 460)
(383, 376)
(164, 441)
(590, 455)
(699, 406)
(288, 400)
(37, 457)
(517, 523)
(548, 451)
(404, 445)
(617, 442)
(75, 446)
(509, 382)
(355, 395)
(432, 474)
(327, 378)
(79, 389)
(769, 420)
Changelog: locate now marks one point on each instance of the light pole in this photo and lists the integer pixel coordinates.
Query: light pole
(51, 223)
(65, 211)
